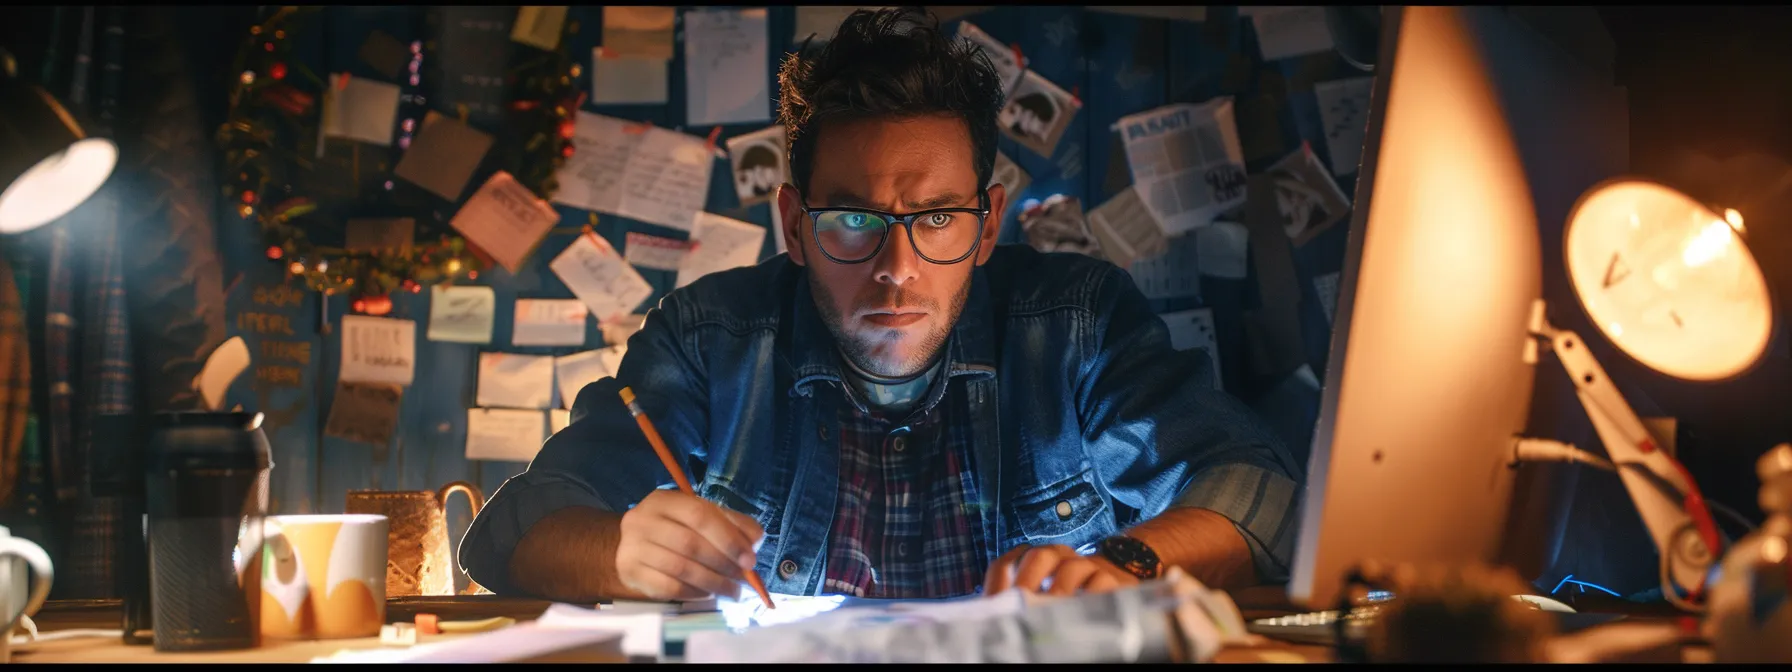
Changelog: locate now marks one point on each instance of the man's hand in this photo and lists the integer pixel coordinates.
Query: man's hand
(678, 547)
(1028, 568)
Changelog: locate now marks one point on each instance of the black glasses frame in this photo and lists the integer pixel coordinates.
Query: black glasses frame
(907, 223)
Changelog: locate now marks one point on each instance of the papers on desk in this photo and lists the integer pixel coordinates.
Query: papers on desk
(642, 631)
(636, 171)
(726, 77)
(520, 643)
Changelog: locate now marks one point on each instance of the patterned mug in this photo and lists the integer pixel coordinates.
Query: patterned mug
(419, 558)
(323, 576)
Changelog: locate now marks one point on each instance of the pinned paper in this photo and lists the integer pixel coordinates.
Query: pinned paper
(1172, 274)
(721, 244)
(1221, 249)
(1326, 287)
(1308, 200)
(472, 51)
(654, 252)
(558, 419)
(642, 32)
(461, 314)
(1186, 162)
(549, 322)
(380, 235)
(617, 331)
(384, 53)
(1190, 329)
(1195, 13)
(378, 350)
(602, 279)
(650, 173)
(759, 165)
(358, 108)
(505, 219)
(221, 368)
(1037, 113)
(627, 80)
(1009, 67)
(364, 412)
(1126, 229)
(727, 79)
(539, 27)
(443, 156)
(573, 372)
(1058, 225)
(515, 381)
(821, 23)
(1010, 175)
(1344, 109)
(1290, 31)
(503, 435)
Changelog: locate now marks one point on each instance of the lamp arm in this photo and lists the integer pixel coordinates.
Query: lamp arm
(1678, 522)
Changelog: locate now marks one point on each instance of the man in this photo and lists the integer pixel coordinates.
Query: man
(900, 408)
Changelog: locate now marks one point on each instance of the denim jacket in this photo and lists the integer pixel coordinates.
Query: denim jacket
(1086, 420)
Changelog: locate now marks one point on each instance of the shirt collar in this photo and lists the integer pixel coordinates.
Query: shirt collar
(969, 351)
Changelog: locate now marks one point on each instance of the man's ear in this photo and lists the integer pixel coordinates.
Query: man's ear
(992, 225)
(790, 213)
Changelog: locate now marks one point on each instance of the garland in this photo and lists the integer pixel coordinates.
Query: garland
(276, 173)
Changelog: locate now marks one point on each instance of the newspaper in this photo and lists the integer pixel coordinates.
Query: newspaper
(1187, 163)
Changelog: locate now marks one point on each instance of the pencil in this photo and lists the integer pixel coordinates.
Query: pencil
(684, 484)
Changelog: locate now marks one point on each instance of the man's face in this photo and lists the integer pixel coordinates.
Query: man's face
(892, 313)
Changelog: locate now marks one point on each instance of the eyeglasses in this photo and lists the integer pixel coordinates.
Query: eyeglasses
(941, 235)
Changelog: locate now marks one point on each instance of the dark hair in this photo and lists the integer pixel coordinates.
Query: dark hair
(894, 63)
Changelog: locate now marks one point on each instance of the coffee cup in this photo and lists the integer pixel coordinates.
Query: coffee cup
(21, 594)
(323, 576)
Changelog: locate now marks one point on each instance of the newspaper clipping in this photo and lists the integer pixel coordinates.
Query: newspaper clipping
(1186, 161)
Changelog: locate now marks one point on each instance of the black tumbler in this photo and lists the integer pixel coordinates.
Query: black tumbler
(127, 437)
(206, 490)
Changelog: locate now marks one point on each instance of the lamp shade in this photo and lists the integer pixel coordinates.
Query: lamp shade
(47, 164)
(1669, 281)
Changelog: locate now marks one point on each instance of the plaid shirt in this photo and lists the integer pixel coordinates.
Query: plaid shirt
(902, 528)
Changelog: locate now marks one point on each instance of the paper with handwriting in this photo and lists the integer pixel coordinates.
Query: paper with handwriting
(506, 220)
(504, 434)
(461, 314)
(720, 243)
(508, 380)
(1344, 110)
(549, 322)
(727, 77)
(642, 172)
(378, 350)
(655, 252)
(602, 279)
(627, 80)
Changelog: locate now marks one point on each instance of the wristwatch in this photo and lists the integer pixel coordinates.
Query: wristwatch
(1131, 555)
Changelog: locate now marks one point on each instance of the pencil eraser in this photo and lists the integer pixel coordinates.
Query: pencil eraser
(426, 624)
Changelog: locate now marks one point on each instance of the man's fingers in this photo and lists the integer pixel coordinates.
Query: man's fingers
(1072, 574)
(687, 543)
(688, 573)
(1035, 567)
(711, 521)
(747, 526)
(1001, 572)
(1102, 582)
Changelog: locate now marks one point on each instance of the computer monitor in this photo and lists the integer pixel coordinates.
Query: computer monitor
(1480, 136)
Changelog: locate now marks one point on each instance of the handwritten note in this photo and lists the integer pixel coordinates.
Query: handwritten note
(1191, 329)
(443, 156)
(726, 76)
(361, 109)
(503, 435)
(1037, 113)
(539, 27)
(505, 219)
(660, 254)
(758, 162)
(379, 235)
(558, 419)
(1221, 250)
(721, 244)
(600, 278)
(1174, 273)
(644, 32)
(364, 412)
(515, 381)
(1326, 286)
(1126, 229)
(650, 174)
(461, 314)
(378, 350)
(627, 80)
(573, 372)
(549, 322)
(1290, 31)
(1344, 110)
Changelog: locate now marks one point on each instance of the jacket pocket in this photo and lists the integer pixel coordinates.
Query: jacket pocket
(733, 500)
(1068, 512)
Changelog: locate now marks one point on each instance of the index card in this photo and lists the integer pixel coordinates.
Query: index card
(1290, 31)
(515, 381)
(548, 322)
(461, 314)
(650, 173)
(573, 372)
(602, 279)
(503, 435)
(1344, 110)
(378, 350)
(660, 254)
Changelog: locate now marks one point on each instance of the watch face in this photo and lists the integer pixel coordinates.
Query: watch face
(1131, 555)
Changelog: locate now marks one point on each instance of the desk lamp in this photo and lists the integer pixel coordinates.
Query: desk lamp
(48, 165)
(1673, 285)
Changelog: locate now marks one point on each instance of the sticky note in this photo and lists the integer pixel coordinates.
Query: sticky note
(461, 314)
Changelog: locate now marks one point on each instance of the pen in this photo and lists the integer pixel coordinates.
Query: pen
(684, 484)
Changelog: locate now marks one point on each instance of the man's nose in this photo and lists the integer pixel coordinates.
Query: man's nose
(898, 263)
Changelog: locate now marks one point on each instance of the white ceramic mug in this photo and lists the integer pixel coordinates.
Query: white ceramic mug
(323, 576)
(21, 594)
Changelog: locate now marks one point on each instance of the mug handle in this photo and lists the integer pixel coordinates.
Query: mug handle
(42, 573)
(475, 500)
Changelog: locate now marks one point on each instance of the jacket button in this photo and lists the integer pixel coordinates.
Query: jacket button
(1064, 510)
(787, 569)
(898, 443)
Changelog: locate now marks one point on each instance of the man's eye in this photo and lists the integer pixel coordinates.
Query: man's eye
(939, 220)
(856, 220)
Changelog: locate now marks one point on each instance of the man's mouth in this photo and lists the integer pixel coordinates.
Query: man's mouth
(894, 317)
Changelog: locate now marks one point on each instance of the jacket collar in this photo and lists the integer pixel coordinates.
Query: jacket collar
(969, 351)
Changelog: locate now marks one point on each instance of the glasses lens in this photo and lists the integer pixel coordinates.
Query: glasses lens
(945, 236)
(849, 236)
